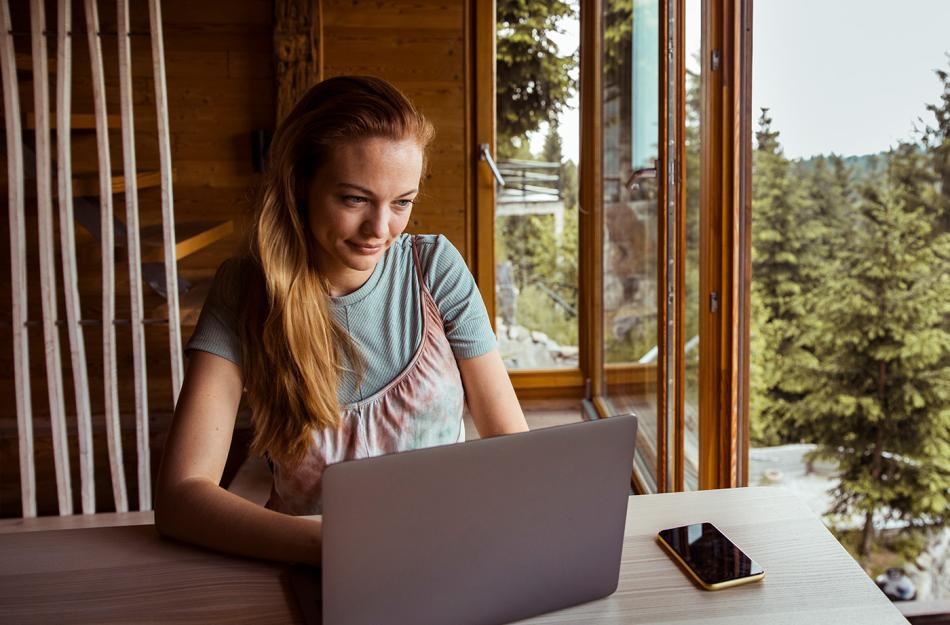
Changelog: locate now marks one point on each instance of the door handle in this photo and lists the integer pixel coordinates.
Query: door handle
(485, 155)
(633, 182)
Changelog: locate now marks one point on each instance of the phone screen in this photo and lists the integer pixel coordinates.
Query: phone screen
(711, 557)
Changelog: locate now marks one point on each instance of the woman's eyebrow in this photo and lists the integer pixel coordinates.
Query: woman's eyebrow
(355, 186)
(368, 192)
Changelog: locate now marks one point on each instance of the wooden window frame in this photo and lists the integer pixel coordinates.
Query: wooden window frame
(725, 224)
(726, 243)
(567, 382)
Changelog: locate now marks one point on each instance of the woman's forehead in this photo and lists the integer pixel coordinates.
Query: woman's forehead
(374, 162)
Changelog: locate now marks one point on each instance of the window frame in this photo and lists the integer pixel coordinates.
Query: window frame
(725, 250)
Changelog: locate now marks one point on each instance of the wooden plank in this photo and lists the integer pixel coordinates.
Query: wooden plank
(131, 574)
(676, 432)
(24, 63)
(590, 196)
(190, 237)
(109, 364)
(77, 344)
(77, 121)
(44, 205)
(103, 519)
(89, 185)
(168, 211)
(18, 282)
(743, 118)
(133, 246)
(297, 46)
(481, 255)
(427, 15)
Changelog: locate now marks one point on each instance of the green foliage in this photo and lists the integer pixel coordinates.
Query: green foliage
(533, 78)
(937, 139)
(545, 266)
(880, 405)
(850, 335)
(618, 34)
(786, 260)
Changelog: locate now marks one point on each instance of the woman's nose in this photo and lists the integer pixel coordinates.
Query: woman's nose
(377, 223)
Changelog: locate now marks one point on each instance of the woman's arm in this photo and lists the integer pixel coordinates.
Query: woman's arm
(490, 396)
(189, 503)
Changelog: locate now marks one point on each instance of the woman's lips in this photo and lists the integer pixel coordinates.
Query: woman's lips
(366, 250)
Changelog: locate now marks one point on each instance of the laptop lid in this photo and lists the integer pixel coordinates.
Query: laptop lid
(488, 531)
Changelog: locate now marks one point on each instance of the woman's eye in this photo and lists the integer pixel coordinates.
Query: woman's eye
(354, 199)
(405, 203)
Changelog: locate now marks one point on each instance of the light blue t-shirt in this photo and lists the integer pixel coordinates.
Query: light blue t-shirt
(383, 317)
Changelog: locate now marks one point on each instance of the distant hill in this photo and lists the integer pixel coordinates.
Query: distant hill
(862, 166)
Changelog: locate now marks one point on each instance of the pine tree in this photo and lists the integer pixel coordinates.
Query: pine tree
(552, 150)
(783, 236)
(880, 406)
(937, 140)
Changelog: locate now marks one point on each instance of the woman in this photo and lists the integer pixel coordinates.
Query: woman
(350, 338)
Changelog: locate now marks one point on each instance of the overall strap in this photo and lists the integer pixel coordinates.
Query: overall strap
(417, 263)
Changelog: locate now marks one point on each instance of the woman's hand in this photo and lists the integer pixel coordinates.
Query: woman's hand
(490, 396)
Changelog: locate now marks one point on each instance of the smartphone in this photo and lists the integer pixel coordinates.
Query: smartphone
(711, 559)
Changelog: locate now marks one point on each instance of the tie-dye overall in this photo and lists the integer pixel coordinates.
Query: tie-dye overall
(421, 407)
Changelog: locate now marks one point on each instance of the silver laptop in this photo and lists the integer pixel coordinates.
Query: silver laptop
(488, 531)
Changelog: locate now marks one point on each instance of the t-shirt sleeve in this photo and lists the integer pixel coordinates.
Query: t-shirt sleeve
(216, 331)
(455, 293)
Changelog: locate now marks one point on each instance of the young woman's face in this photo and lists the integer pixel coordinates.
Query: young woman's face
(360, 202)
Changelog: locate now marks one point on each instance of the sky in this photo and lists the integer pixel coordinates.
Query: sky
(844, 76)
(849, 76)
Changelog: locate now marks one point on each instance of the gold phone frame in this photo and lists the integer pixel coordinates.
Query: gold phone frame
(700, 582)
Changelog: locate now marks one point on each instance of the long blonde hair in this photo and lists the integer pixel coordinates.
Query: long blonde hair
(293, 352)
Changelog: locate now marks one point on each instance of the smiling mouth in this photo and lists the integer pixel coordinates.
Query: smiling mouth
(365, 249)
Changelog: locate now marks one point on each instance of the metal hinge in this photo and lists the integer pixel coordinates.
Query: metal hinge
(587, 389)
(715, 60)
(714, 302)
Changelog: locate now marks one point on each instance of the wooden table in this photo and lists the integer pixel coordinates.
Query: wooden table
(128, 574)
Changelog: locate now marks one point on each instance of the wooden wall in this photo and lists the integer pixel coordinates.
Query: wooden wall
(420, 47)
(220, 77)
(220, 87)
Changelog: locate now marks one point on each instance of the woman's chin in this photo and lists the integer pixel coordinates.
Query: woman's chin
(362, 261)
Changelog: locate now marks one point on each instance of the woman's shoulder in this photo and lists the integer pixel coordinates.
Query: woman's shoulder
(230, 281)
(435, 250)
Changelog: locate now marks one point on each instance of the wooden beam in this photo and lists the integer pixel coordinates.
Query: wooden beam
(168, 201)
(109, 351)
(190, 237)
(77, 343)
(743, 121)
(88, 185)
(44, 206)
(590, 198)
(298, 41)
(483, 95)
(133, 247)
(18, 282)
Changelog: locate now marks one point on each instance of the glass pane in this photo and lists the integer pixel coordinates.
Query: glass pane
(536, 209)
(850, 330)
(630, 141)
(693, 300)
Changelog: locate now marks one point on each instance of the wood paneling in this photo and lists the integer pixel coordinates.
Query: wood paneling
(219, 72)
(220, 77)
(420, 47)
